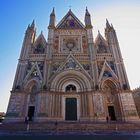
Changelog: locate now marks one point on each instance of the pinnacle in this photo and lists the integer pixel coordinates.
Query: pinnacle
(33, 23)
(107, 23)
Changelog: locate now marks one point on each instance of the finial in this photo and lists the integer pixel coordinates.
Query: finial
(87, 13)
(33, 23)
(53, 12)
(107, 23)
(69, 7)
(41, 32)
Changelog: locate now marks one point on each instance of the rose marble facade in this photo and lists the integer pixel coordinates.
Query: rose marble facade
(70, 76)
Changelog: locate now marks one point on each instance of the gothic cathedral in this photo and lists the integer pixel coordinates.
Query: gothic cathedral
(70, 76)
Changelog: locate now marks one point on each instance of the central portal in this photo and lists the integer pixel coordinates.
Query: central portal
(71, 109)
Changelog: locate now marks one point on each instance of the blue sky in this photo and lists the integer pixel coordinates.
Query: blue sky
(15, 15)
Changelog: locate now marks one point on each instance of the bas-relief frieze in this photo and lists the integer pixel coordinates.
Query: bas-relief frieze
(127, 102)
(98, 104)
(15, 103)
(43, 104)
(70, 43)
(70, 32)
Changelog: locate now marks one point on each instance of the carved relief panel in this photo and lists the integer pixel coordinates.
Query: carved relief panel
(84, 44)
(70, 44)
(56, 44)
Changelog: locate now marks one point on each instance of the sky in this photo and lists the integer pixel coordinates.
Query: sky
(15, 15)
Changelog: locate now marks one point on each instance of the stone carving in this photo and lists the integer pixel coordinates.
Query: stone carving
(39, 49)
(100, 65)
(70, 44)
(70, 64)
(112, 65)
(128, 102)
(55, 67)
(101, 48)
(98, 103)
(84, 44)
(33, 94)
(34, 71)
(107, 74)
(71, 32)
(70, 22)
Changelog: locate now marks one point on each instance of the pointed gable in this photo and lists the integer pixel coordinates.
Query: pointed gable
(101, 44)
(40, 44)
(99, 39)
(70, 21)
(107, 72)
(72, 64)
(34, 72)
(41, 39)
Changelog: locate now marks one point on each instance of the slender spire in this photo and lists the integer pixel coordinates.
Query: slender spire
(33, 23)
(31, 27)
(53, 12)
(52, 19)
(87, 12)
(107, 24)
(87, 19)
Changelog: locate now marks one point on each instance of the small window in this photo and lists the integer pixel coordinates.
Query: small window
(70, 88)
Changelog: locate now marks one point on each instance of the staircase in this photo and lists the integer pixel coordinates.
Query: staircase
(69, 126)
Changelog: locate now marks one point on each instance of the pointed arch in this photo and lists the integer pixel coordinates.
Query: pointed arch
(110, 89)
(40, 45)
(109, 84)
(28, 87)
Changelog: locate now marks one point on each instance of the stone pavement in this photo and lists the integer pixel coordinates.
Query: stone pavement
(67, 132)
(96, 135)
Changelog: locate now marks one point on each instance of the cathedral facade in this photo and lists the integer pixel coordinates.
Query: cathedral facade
(70, 76)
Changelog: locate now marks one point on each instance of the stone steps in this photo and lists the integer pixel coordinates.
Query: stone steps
(71, 126)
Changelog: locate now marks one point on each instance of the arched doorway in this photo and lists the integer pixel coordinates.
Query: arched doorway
(31, 107)
(112, 104)
(71, 109)
(70, 80)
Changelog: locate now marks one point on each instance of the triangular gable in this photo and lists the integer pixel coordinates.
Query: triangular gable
(99, 39)
(35, 71)
(107, 72)
(72, 64)
(41, 39)
(70, 21)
